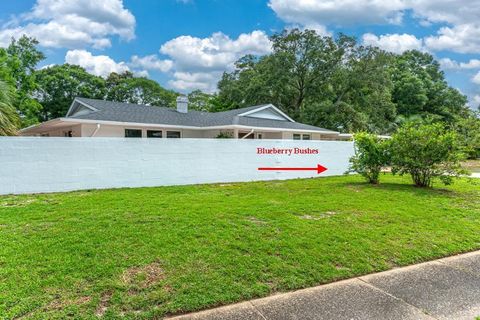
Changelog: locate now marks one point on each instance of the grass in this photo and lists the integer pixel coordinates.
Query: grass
(148, 252)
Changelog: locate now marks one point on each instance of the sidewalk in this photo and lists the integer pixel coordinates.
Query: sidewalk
(448, 288)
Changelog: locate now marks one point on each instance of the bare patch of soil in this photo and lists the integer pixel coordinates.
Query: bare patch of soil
(144, 276)
(103, 305)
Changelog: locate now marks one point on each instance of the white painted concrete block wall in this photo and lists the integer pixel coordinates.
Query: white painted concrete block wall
(38, 164)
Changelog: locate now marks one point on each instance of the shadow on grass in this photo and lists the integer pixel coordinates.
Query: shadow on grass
(399, 186)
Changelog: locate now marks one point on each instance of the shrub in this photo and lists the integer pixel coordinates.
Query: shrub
(224, 135)
(371, 155)
(426, 152)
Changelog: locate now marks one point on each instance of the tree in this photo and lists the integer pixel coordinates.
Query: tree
(426, 152)
(59, 85)
(9, 120)
(358, 95)
(371, 155)
(334, 83)
(126, 87)
(420, 88)
(468, 130)
(301, 62)
(201, 101)
(21, 58)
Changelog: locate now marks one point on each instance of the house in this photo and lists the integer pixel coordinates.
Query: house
(99, 118)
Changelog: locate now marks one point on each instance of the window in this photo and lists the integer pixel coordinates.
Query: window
(133, 133)
(173, 134)
(154, 133)
(68, 134)
(260, 136)
(298, 136)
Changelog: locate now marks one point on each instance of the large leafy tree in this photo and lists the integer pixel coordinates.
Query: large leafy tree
(357, 96)
(126, 87)
(319, 80)
(300, 64)
(60, 84)
(21, 58)
(420, 88)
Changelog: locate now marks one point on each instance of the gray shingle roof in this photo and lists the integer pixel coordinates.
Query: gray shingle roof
(127, 112)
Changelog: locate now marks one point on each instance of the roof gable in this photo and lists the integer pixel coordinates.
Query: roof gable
(269, 112)
(79, 108)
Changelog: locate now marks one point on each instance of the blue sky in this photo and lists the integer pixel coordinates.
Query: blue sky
(187, 44)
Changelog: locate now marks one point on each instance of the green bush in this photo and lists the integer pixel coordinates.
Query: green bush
(224, 135)
(371, 155)
(426, 152)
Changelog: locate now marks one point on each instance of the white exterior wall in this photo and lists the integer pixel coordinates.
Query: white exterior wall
(60, 132)
(119, 131)
(37, 164)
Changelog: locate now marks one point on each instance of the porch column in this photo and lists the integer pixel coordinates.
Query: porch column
(235, 133)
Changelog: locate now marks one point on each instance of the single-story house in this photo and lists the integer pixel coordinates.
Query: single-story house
(100, 118)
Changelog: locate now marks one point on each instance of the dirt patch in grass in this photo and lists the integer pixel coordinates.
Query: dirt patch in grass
(103, 304)
(256, 221)
(144, 276)
(15, 202)
(318, 216)
(59, 304)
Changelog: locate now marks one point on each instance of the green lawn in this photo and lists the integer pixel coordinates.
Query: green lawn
(141, 253)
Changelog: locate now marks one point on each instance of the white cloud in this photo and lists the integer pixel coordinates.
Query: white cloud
(460, 31)
(472, 64)
(72, 23)
(464, 38)
(476, 78)
(338, 12)
(396, 43)
(476, 100)
(152, 62)
(98, 65)
(189, 81)
(199, 62)
(448, 64)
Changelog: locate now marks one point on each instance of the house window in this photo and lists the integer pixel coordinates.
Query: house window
(297, 136)
(68, 134)
(133, 133)
(154, 133)
(306, 137)
(259, 136)
(173, 134)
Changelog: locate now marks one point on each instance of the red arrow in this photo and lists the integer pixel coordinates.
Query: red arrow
(319, 168)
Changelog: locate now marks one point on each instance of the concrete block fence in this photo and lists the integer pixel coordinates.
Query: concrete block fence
(48, 164)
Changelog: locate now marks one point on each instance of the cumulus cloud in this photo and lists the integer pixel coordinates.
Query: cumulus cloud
(464, 38)
(396, 43)
(460, 31)
(450, 64)
(198, 63)
(476, 99)
(338, 12)
(476, 78)
(152, 62)
(472, 64)
(98, 65)
(72, 23)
